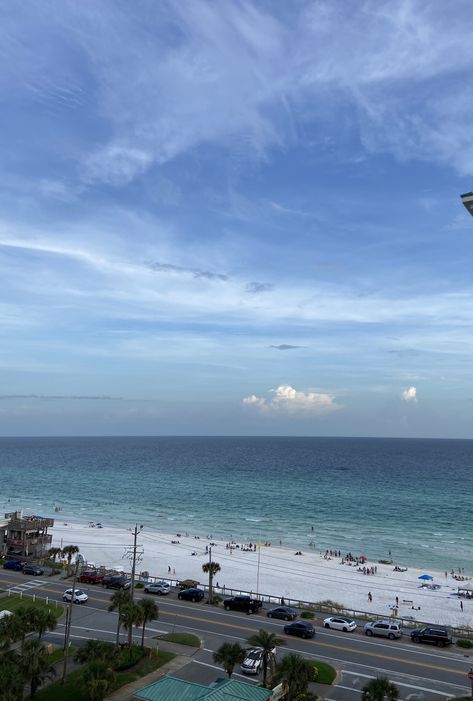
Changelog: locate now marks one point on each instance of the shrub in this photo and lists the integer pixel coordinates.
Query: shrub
(139, 585)
(329, 604)
(307, 614)
(129, 657)
(217, 599)
(465, 643)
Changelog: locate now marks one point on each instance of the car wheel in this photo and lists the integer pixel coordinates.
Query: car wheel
(286, 618)
(64, 598)
(368, 632)
(344, 630)
(327, 625)
(415, 639)
(440, 643)
(179, 596)
(227, 608)
(193, 599)
(391, 636)
(270, 615)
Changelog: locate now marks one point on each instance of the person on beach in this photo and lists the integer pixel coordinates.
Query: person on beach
(461, 605)
(370, 597)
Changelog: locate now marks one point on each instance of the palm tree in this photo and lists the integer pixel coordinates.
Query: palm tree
(35, 664)
(98, 677)
(97, 651)
(211, 568)
(131, 615)
(117, 602)
(53, 553)
(24, 617)
(295, 673)
(11, 629)
(43, 620)
(11, 678)
(68, 551)
(150, 612)
(267, 642)
(229, 655)
(379, 689)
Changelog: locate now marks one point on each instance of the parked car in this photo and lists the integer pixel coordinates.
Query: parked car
(80, 597)
(158, 588)
(303, 629)
(433, 634)
(340, 623)
(253, 662)
(188, 584)
(192, 594)
(286, 613)
(35, 570)
(116, 581)
(242, 603)
(386, 629)
(91, 577)
(13, 565)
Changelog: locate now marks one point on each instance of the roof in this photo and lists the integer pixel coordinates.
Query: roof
(172, 689)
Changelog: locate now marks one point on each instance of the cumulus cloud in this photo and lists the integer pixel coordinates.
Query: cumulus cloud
(288, 400)
(409, 394)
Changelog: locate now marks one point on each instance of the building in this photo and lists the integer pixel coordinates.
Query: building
(467, 200)
(3, 536)
(27, 536)
(173, 689)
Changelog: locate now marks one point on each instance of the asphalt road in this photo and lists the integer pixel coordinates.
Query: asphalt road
(420, 671)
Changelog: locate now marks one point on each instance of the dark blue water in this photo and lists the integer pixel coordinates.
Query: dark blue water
(410, 497)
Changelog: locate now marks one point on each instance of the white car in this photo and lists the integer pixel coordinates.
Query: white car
(80, 597)
(253, 662)
(340, 623)
(158, 588)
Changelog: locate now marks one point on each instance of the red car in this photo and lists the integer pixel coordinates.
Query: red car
(91, 577)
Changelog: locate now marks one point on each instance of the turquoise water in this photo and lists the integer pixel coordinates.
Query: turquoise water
(408, 497)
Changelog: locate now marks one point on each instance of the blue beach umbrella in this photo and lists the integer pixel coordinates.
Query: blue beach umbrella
(425, 577)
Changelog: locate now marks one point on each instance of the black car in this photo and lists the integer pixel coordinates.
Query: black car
(13, 565)
(242, 603)
(116, 581)
(35, 570)
(432, 634)
(192, 594)
(303, 629)
(286, 613)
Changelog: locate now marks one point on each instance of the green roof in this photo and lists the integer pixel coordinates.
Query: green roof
(172, 689)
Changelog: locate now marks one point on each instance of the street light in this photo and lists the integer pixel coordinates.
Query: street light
(467, 200)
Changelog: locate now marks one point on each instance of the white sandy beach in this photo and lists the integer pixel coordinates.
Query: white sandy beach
(308, 577)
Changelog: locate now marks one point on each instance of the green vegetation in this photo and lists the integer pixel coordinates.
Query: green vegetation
(465, 643)
(13, 603)
(139, 585)
(295, 673)
(380, 689)
(267, 642)
(325, 672)
(308, 614)
(181, 638)
(75, 689)
(228, 656)
(211, 568)
(328, 604)
(58, 654)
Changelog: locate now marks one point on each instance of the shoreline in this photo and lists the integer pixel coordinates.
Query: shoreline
(275, 571)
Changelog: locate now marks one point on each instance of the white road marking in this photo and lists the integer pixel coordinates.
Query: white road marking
(409, 686)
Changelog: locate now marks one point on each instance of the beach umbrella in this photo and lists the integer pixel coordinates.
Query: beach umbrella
(425, 577)
(363, 557)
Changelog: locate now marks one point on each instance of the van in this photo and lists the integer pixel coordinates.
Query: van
(385, 629)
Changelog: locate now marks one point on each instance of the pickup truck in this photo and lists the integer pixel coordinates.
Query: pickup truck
(242, 603)
(91, 577)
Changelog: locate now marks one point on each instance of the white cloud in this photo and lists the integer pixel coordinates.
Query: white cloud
(288, 400)
(409, 394)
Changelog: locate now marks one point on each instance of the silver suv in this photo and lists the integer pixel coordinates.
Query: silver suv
(386, 629)
(158, 588)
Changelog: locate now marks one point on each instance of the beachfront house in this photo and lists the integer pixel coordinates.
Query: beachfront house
(27, 536)
(173, 689)
(3, 536)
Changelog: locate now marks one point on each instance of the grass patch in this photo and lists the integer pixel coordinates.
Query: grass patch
(181, 638)
(326, 673)
(74, 690)
(58, 655)
(465, 643)
(308, 614)
(12, 603)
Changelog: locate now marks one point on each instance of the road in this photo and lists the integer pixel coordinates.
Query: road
(420, 671)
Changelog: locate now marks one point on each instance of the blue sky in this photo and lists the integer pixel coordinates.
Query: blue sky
(236, 218)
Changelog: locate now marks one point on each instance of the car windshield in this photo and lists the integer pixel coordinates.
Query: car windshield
(253, 655)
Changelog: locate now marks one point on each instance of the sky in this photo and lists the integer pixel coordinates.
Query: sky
(236, 218)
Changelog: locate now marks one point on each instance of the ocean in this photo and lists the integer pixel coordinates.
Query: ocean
(408, 497)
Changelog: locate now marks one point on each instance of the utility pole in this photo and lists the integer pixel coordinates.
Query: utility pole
(67, 632)
(210, 576)
(134, 557)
